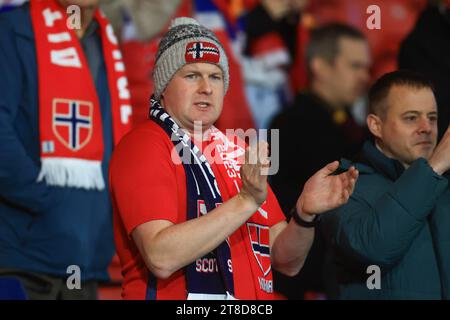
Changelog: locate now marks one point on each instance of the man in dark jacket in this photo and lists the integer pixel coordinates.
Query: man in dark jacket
(62, 108)
(319, 127)
(391, 240)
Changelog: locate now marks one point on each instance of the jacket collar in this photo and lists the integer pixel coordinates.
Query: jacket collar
(371, 159)
(389, 167)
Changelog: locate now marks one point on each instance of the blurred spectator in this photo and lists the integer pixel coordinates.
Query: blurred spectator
(397, 19)
(63, 106)
(148, 17)
(274, 70)
(319, 128)
(427, 50)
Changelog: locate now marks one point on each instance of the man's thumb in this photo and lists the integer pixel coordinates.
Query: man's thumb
(330, 168)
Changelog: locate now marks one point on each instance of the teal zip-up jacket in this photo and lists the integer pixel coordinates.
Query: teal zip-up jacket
(396, 219)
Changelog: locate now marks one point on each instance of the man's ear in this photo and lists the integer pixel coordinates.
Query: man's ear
(320, 68)
(374, 123)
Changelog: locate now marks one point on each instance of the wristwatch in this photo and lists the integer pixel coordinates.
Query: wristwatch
(305, 224)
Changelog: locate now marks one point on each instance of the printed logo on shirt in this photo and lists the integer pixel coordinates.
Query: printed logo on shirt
(260, 243)
(72, 122)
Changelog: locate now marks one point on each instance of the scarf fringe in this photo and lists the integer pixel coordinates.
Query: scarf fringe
(77, 173)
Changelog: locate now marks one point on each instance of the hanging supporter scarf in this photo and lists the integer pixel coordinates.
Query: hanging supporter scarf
(70, 123)
(272, 51)
(203, 195)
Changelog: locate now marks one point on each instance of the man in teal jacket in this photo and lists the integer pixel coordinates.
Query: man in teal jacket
(392, 239)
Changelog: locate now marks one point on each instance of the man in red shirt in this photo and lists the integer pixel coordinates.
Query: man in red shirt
(192, 219)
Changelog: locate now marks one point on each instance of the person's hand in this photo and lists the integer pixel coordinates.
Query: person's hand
(440, 160)
(254, 174)
(323, 191)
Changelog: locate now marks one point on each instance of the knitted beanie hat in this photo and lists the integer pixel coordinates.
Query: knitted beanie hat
(185, 42)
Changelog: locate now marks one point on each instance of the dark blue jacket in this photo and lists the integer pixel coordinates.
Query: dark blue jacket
(44, 229)
(396, 219)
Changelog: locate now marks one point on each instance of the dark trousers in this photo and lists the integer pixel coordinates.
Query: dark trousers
(40, 286)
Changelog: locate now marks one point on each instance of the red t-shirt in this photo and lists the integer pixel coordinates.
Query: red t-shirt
(147, 185)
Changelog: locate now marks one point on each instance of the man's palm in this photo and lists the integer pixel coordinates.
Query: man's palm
(323, 191)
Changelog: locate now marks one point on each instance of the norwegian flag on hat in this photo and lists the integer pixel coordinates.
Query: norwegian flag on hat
(202, 51)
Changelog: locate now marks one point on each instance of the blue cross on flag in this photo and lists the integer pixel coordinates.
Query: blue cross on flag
(72, 122)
